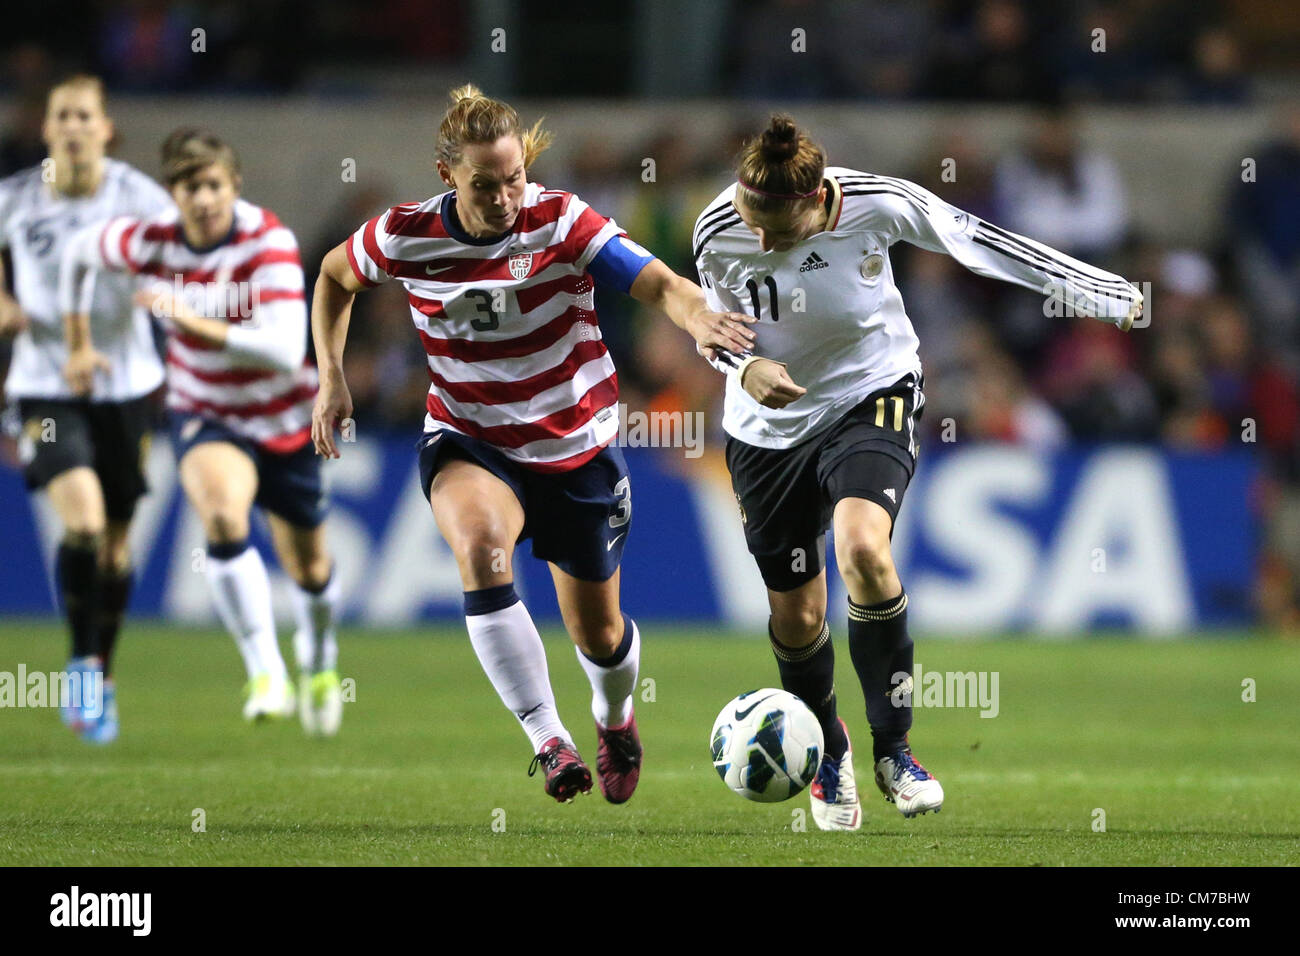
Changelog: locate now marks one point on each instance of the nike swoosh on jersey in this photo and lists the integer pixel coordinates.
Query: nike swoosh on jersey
(742, 714)
(434, 272)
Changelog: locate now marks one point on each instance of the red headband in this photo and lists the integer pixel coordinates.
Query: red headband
(764, 192)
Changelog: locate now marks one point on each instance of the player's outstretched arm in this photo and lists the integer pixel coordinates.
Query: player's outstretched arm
(684, 303)
(918, 216)
(331, 311)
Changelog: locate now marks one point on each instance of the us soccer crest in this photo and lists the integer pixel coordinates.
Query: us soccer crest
(521, 264)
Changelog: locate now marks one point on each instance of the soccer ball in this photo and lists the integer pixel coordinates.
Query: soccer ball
(766, 745)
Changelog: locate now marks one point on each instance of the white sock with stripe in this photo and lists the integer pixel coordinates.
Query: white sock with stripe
(613, 680)
(511, 653)
(314, 642)
(241, 591)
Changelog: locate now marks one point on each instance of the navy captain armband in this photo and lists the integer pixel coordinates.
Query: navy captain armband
(619, 262)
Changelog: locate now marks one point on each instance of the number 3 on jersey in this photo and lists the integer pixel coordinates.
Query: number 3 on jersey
(489, 305)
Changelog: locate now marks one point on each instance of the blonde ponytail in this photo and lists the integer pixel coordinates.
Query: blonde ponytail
(477, 118)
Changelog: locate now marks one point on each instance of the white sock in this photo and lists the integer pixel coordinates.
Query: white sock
(612, 687)
(510, 650)
(314, 643)
(241, 592)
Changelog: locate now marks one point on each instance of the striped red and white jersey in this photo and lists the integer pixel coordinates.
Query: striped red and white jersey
(254, 279)
(508, 323)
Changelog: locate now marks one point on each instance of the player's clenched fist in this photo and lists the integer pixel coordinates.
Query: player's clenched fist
(1134, 313)
(79, 370)
(768, 383)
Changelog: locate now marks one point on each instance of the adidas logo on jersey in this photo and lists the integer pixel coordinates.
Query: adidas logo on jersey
(814, 261)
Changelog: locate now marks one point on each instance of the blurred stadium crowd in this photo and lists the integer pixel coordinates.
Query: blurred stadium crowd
(1195, 51)
(1216, 370)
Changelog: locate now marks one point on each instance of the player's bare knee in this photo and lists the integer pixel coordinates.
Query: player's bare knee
(798, 624)
(482, 554)
(83, 535)
(598, 638)
(224, 525)
(866, 562)
(314, 572)
(115, 554)
(85, 526)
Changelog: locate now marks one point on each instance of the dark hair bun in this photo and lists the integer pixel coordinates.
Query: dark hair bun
(174, 145)
(780, 141)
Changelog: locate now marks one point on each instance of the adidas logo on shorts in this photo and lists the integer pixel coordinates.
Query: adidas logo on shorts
(814, 261)
(889, 493)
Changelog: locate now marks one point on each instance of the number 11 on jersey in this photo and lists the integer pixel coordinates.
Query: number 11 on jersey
(898, 412)
(752, 286)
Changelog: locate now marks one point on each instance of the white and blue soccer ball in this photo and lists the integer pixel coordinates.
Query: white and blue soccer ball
(766, 745)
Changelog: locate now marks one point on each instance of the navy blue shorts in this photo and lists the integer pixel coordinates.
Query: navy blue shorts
(578, 520)
(291, 486)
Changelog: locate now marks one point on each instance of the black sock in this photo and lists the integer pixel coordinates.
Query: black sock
(809, 674)
(225, 550)
(79, 583)
(881, 648)
(114, 594)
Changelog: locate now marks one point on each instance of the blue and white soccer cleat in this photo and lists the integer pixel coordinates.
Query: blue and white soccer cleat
(104, 728)
(908, 785)
(81, 705)
(834, 793)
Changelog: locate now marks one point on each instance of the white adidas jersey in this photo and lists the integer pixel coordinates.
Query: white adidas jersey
(35, 223)
(829, 307)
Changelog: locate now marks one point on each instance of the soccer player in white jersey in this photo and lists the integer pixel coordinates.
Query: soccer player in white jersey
(225, 279)
(521, 410)
(820, 418)
(85, 450)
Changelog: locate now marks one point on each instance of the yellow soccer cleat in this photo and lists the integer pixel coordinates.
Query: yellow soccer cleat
(320, 703)
(268, 696)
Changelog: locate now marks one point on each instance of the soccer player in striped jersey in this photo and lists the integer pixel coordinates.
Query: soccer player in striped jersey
(224, 278)
(821, 419)
(521, 409)
(85, 450)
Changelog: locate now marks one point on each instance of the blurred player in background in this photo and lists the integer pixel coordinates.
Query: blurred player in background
(86, 447)
(228, 287)
(521, 409)
(806, 247)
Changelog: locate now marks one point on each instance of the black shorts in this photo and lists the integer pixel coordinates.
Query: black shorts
(787, 496)
(291, 486)
(110, 437)
(578, 519)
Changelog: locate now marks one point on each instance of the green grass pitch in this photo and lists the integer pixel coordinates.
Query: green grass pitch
(1154, 734)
